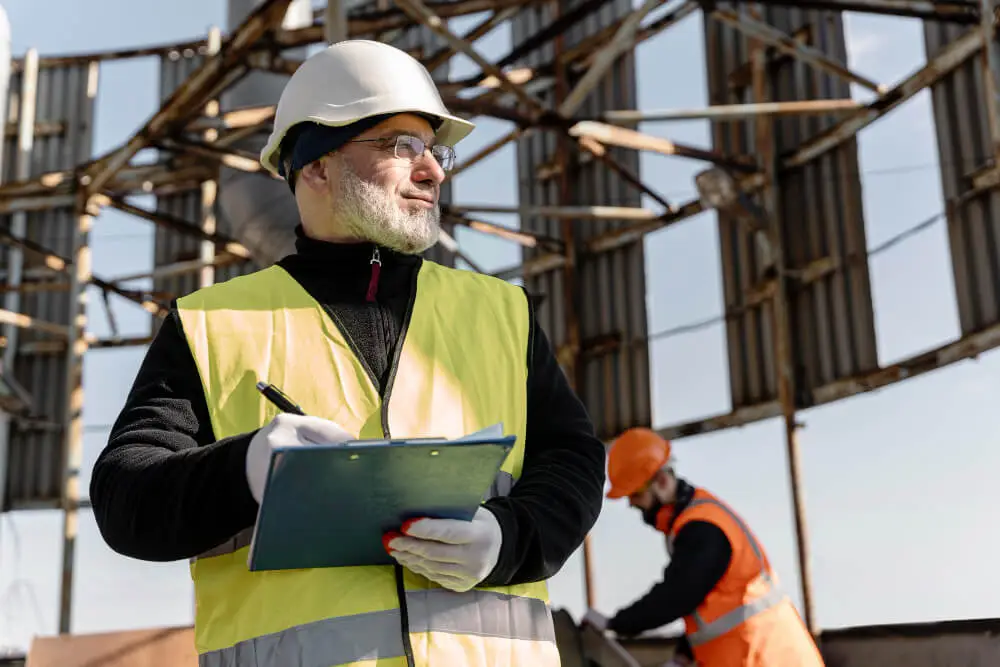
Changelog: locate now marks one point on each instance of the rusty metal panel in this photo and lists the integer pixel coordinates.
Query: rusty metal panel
(820, 209)
(963, 139)
(171, 246)
(613, 372)
(65, 110)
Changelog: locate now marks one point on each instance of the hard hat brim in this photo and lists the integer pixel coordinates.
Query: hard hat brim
(451, 131)
(615, 494)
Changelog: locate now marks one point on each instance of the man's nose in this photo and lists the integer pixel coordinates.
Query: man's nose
(426, 169)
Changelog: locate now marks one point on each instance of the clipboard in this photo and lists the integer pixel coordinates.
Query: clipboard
(330, 505)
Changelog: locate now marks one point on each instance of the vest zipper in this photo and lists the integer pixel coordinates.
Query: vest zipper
(376, 264)
(404, 614)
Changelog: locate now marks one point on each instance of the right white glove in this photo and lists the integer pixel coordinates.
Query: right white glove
(287, 430)
(596, 619)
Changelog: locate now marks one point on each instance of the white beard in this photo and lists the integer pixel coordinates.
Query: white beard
(369, 212)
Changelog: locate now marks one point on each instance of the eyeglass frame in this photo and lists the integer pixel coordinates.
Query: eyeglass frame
(449, 152)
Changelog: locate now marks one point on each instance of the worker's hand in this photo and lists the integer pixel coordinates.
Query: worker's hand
(455, 554)
(286, 430)
(596, 620)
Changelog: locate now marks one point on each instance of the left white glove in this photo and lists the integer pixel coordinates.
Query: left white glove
(454, 554)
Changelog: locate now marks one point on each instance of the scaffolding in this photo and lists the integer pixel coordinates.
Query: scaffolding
(781, 174)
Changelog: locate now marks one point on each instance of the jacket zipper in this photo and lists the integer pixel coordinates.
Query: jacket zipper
(376, 264)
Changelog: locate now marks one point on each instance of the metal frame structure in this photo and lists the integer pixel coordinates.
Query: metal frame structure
(798, 314)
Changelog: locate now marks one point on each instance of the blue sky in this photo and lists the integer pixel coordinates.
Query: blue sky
(896, 482)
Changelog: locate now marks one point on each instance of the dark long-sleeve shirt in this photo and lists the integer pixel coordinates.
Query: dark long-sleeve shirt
(701, 556)
(165, 489)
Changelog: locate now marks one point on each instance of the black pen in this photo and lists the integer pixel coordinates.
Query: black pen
(276, 396)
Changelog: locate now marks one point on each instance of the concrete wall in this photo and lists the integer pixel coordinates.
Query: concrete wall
(156, 647)
(949, 644)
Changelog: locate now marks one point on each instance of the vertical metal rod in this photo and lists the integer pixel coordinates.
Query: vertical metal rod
(570, 357)
(335, 18)
(209, 191)
(766, 149)
(991, 69)
(76, 347)
(210, 188)
(18, 227)
(80, 275)
(801, 529)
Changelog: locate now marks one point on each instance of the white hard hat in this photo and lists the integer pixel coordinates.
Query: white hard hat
(356, 79)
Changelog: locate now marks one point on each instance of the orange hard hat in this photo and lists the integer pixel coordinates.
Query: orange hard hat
(634, 458)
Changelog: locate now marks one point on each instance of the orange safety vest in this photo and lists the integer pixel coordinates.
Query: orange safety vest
(745, 621)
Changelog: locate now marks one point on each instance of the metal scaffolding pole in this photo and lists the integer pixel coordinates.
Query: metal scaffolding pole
(15, 256)
(76, 347)
(783, 352)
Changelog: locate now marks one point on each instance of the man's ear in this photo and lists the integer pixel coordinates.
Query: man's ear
(315, 176)
(663, 477)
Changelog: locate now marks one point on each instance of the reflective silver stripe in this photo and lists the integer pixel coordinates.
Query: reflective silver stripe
(730, 620)
(708, 631)
(481, 613)
(320, 644)
(336, 641)
(501, 486)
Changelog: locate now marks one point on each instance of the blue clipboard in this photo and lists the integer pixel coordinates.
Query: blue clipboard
(330, 505)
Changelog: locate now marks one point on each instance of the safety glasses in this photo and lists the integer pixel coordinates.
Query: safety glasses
(408, 147)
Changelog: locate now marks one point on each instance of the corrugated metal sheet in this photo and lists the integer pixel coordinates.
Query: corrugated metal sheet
(831, 317)
(35, 463)
(963, 139)
(170, 246)
(614, 373)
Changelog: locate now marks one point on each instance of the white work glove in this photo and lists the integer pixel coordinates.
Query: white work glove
(678, 661)
(454, 554)
(596, 619)
(287, 430)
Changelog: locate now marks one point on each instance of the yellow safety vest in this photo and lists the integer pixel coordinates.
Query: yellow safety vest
(461, 365)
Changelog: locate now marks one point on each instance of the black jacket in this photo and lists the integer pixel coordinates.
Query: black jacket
(165, 489)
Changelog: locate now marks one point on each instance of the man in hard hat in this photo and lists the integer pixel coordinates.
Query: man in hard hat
(719, 579)
(370, 341)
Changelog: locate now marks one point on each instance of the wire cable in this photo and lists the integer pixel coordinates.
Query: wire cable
(888, 244)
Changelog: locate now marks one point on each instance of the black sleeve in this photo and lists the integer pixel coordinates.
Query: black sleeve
(163, 489)
(701, 556)
(558, 496)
